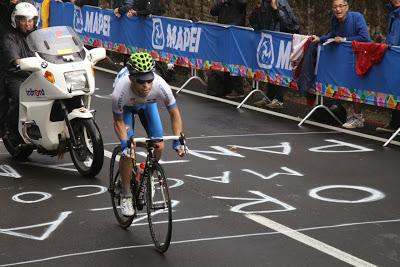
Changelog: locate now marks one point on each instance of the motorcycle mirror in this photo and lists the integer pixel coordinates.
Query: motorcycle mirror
(30, 64)
(97, 54)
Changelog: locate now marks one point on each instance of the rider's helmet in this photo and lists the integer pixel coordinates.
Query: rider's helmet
(141, 66)
(22, 10)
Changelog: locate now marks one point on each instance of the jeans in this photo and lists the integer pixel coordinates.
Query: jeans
(9, 102)
(275, 92)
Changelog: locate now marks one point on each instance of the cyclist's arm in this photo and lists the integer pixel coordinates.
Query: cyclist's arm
(176, 121)
(117, 109)
(120, 128)
(176, 125)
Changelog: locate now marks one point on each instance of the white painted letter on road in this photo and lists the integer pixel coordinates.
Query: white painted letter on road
(340, 144)
(102, 189)
(52, 226)
(286, 169)
(220, 151)
(282, 149)
(44, 197)
(256, 201)
(224, 179)
(375, 195)
(8, 171)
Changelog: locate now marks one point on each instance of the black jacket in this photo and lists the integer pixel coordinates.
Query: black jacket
(15, 47)
(265, 18)
(231, 12)
(5, 16)
(123, 5)
(147, 7)
(81, 3)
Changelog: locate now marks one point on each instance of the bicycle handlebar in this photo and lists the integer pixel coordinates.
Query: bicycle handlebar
(144, 140)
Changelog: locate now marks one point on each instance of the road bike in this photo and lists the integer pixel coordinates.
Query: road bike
(152, 191)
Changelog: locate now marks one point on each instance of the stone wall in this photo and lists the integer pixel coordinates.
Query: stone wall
(314, 15)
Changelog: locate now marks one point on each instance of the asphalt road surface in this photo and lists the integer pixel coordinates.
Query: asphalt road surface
(256, 190)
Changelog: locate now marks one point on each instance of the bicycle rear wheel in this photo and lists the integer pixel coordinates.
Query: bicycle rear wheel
(159, 211)
(115, 189)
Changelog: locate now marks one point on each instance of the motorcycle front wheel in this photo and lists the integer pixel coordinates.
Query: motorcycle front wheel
(16, 146)
(88, 154)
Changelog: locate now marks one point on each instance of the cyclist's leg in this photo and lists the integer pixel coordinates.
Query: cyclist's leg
(126, 162)
(150, 119)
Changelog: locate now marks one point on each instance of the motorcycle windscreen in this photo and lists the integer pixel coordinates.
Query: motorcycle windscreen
(57, 45)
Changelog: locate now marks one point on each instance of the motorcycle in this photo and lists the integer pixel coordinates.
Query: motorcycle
(54, 110)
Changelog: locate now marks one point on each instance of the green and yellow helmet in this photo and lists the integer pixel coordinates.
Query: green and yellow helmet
(140, 66)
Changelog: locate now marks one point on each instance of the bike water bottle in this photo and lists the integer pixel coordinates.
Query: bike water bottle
(140, 170)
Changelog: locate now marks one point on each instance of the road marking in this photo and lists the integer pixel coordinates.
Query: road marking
(325, 149)
(56, 167)
(312, 242)
(53, 226)
(288, 172)
(193, 241)
(101, 191)
(8, 171)
(181, 220)
(375, 195)
(243, 135)
(223, 179)
(283, 149)
(44, 197)
(104, 96)
(256, 201)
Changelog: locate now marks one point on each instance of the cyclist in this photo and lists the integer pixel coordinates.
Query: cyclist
(138, 90)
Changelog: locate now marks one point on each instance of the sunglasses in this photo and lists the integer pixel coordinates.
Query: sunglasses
(144, 81)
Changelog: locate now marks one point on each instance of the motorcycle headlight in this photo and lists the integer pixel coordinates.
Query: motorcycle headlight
(76, 80)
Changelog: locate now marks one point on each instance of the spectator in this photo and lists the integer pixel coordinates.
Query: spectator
(122, 7)
(347, 26)
(266, 17)
(6, 7)
(147, 7)
(232, 12)
(393, 38)
(81, 3)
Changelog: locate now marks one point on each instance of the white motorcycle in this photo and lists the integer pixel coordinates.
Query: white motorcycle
(54, 109)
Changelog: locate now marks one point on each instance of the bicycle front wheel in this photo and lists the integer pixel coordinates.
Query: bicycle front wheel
(159, 211)
(115, 189)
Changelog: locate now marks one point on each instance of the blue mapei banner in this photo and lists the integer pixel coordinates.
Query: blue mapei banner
(38, 5)
(337, 78)
(241, 51)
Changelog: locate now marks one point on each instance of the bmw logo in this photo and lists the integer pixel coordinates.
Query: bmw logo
(44, 65)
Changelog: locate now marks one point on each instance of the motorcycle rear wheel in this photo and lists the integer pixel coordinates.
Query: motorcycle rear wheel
(88, 156)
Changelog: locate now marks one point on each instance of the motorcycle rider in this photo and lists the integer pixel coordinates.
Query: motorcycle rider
(24, 20)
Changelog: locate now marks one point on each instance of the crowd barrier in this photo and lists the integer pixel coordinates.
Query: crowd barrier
(260, 56)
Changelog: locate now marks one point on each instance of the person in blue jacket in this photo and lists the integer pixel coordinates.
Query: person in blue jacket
(347, 26)
(393, 38)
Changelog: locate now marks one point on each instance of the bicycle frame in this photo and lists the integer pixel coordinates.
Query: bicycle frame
(151, 191)
(149, 145)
